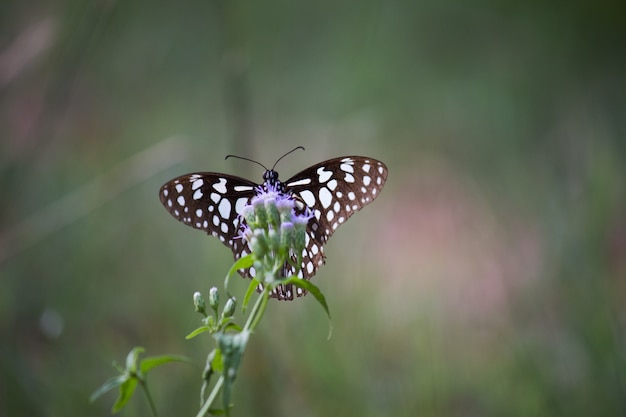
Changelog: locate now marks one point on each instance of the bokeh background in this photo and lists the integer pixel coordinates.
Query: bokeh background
(487, 280)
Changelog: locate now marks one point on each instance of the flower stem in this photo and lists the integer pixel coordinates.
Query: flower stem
(144, 385)
(257, 311)
(212, 396)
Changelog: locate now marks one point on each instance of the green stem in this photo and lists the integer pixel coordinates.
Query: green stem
(212, 396)
(144, 385)
(257, 311)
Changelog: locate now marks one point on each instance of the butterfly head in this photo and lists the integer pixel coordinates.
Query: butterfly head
(271, 181)
(270, 176)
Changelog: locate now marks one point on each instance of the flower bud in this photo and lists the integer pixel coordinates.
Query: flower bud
(273, 216)
(198, 302)
(273, 239)
(214, 298)
(287, 235)
(260, 212)
(285, 208)
(300, 223)
(249, 215)
(229, 308)
(259, 243)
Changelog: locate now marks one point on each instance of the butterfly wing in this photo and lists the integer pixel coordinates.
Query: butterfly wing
(211, 202)
(333, 190)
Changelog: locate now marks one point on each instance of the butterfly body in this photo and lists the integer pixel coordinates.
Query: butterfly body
(332, 191)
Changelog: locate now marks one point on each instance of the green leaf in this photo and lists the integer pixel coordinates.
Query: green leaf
(216, 361)
(232, 326)
(152, 361)
(131, 359)
(242, 263)
(126, 392)
(315, 291)
(110, 384)
(198, 331)
(251, 288)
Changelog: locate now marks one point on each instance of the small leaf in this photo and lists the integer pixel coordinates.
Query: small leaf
(251, 288)
(126, 392)
(110, 384)
(198, 331)
(216, 361)
(242, 263)
(131, 358)
(152, 361)
(232, 326)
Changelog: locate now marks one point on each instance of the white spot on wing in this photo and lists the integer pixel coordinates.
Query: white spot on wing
(366, 167)
(215, 197)
(181, 200)
(198, 194)
(366, 180)
(351, 195)
(308, 198)
(199, 213)
(303, 181)
(349, 178)
(330, 215)
(179, 188)
(324, 175)
(197, 184)
(165, 192)
(220, 187)
(326, 198)
(224, 208)
(240, 204)
(347, 168)
(332, 184)
(242, 188)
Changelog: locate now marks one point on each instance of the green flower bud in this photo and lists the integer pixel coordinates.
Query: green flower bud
(300, 224)
(249, 215)
(198, 302)
(287, 235)
(261, 213)
(229, 308)
(214, 298)
(273, 215)
(285, 208)
(259, 243)
(273, 239)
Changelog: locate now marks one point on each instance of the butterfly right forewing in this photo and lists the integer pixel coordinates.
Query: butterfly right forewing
(334, 190)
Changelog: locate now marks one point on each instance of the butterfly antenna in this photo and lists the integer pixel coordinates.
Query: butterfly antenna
(293, 150)
(246, 159)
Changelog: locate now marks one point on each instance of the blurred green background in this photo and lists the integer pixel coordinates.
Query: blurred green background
(489, 278)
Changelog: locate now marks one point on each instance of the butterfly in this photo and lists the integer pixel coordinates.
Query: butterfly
(332, 190)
